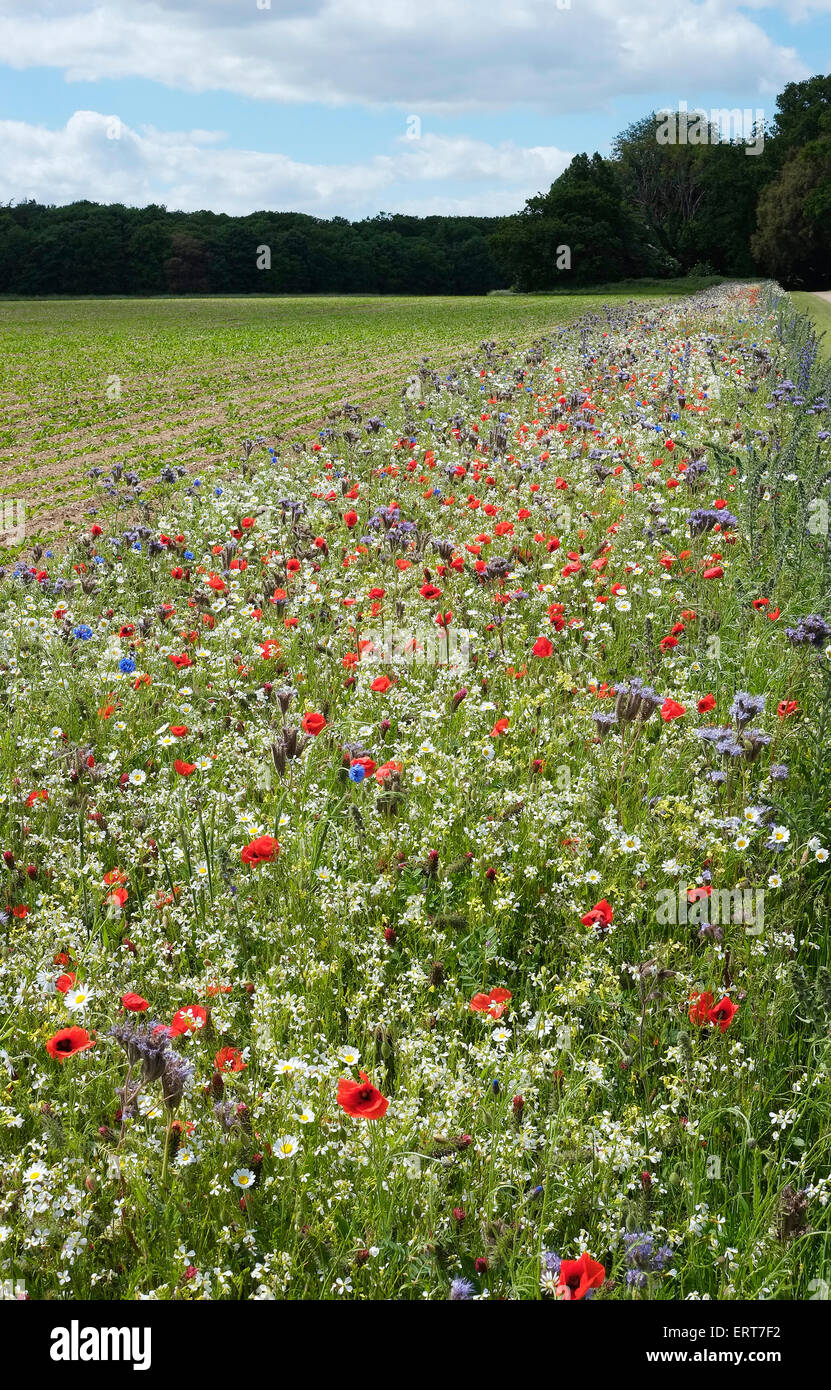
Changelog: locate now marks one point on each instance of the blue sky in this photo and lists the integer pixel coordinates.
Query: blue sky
(350, 107)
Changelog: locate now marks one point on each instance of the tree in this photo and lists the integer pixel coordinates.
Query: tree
(188, 267)
(584, 230)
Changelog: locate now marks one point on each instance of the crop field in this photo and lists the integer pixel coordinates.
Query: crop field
(156, 383)
(415, 840)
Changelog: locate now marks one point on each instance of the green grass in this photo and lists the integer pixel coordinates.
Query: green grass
(188, 378)
(819, 311)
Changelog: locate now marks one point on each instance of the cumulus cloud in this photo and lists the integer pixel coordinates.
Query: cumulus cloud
(97, 156)
(437, 55)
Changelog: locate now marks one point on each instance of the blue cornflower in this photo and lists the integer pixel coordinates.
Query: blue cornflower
(82, 631)
(357, 773)
(126, 665)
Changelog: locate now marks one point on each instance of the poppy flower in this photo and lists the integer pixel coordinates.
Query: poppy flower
(786, 708)
(599, 916)
(188, 1020)
(65, 982)
(493, 1004)
(184, 769)
(579, 1277)
(134, 1003)
(313, 723)
(722, 1014)
(381, 685)
(714, 572)
(229, 1059)
(67, 1041)
(542, 647)
(671, 709)
(361, 1099)
(260, 851)
(707, 703)
(701, 1006)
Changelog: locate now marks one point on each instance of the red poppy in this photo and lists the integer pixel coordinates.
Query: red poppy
(260, 851)
(381, 684)
(313, 723)
(671, 709)
(493, 1004)
(229, 1059)
(65, 982)
(722, 1014)
(500, 727)
(707, 703)
(714, 572)
(360, 1099)
(786, 708)
(178, 730)
(184, 769)
(600, 915)
(367, 764)
(68, 1041)
(134, 1003)
(578, 1277)
(701, 1006)
(188, 1020)
(542, 647)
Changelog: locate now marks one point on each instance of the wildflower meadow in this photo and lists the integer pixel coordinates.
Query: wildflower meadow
(415, 843)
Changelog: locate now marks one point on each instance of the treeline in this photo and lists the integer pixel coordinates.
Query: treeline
(88, 248)
(674, 198)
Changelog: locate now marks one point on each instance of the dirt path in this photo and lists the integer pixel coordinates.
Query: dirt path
(823, 294)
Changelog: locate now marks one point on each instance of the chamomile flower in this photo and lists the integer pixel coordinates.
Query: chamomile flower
(286, 1146)
(243, 1177)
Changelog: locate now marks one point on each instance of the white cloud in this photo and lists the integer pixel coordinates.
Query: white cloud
(445, 55)
(96, 156)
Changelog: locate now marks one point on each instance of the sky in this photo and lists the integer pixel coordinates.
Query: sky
(353, 107)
